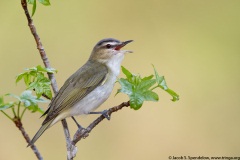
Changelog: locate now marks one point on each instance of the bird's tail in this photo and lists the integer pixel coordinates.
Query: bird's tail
(40, 132)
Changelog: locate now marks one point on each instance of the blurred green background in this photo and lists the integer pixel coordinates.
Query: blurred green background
(193, 43)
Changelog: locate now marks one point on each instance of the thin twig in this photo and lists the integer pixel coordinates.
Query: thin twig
(23, 113)
(18, 123)
(14, 113)
(18, 110)
(46, 64)
(7, 115)
(44, 95)
(72, 148)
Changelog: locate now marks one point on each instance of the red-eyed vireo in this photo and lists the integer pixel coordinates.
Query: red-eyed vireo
(89, 86)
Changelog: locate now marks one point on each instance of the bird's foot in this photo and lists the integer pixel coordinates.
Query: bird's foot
(104, 113)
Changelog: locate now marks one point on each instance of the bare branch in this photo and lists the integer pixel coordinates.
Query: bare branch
(18, 123)
(71, 149)
(47, 65)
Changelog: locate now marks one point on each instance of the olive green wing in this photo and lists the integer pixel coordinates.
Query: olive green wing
(81, 83)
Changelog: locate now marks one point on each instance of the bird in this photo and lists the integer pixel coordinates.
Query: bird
(89, 87)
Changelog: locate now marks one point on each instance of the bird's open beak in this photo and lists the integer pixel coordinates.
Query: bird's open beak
(118, 47)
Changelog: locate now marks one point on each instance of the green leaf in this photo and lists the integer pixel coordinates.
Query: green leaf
(146, 84)
(41, 85)
(36, 109)
(126, 72)
(26, 76)
(150, 96)
(30, 1)
(13, 95)
(34, 69)
(6, 106)
(137, 88)
(34, 7)
(148, 77)
(34, 3)
(40, 110)
(19, 77)
(126, 86)
(27, 79)
(3, 105)
(30, 101)
(135, 102)
(48, 70)
(137, 98)
(173, 94)
(162, 84)
(34, 79)
(39, 69)
(33, 73)
(1, 100)
(47, 90)
(44, 2)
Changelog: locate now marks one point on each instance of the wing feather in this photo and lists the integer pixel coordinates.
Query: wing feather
(76, 87)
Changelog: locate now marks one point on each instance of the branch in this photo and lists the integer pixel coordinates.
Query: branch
(71, 149)
(18, 123)
(47, 65)
(83, 133)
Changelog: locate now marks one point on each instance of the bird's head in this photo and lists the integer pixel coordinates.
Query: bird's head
(109, 49)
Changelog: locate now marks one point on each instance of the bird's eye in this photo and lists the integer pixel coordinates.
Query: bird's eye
(108, 46)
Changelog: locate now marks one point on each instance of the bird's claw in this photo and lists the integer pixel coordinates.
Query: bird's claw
(106, 115)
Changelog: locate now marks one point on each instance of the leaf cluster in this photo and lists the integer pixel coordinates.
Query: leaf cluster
(29, 101)
(35, 79)
(34, 3)
(141, 89)
(26, 100)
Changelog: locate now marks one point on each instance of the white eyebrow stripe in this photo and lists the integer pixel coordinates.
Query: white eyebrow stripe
(111, 43)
